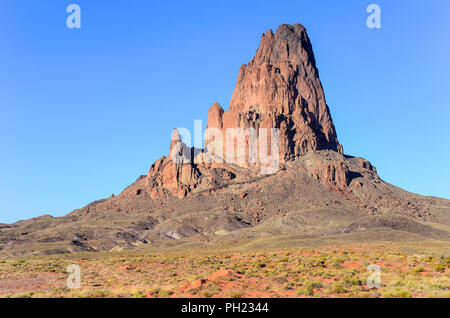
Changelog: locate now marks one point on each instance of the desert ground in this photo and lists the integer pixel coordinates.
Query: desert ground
(238, 270)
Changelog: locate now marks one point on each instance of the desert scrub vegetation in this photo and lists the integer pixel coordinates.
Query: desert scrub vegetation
(328, 271)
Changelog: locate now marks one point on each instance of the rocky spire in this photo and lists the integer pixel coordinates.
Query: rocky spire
(176, 139)
(280, 88)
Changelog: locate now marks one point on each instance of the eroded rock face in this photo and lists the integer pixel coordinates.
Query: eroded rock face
(187, 169)
(280, 88)
(334, 172)
(174, 174)
(165, 176)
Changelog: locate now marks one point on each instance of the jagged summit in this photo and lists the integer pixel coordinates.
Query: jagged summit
(280, 88)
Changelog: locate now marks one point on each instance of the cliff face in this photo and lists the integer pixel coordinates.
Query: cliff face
(280, 88)
(277, 113)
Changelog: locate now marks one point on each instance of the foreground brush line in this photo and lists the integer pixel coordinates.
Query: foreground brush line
(419, 269)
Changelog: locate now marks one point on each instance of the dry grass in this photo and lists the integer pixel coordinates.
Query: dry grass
(326, 271)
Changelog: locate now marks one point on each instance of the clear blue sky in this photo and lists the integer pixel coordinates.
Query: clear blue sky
(84, 112)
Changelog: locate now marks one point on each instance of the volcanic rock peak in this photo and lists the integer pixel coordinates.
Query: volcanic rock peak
(279, 89)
